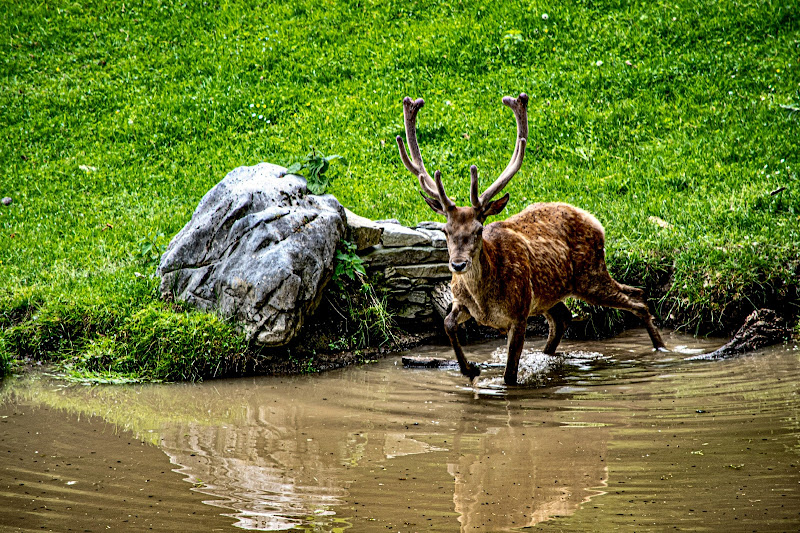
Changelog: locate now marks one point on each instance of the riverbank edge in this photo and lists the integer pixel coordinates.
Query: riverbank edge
(165, 341)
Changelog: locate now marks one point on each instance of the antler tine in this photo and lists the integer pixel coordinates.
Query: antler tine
(474, 192)
(519, 106)
(446, 202)
(415, 164)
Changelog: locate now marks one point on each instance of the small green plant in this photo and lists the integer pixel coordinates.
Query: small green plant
(364, 306)
(316, 164)
(304, 364)
(347, 264)
(339, 344)
(376, 319)
(149, 249)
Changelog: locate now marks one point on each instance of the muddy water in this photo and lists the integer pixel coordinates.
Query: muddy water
(608, 436)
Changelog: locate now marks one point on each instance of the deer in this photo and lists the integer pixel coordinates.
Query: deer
(526, 265)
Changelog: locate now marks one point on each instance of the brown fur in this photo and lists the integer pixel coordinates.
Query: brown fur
(527, 265)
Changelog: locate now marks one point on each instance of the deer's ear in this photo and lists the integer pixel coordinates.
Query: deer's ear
(494, 207)
(434, 204)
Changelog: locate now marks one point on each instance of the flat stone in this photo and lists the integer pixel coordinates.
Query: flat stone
(437, 237)
(388, 221)
(411, 311)
(361, 231)
(396, 236)
(439, 226)
(381, 256)
(398, 283)
(432, 271)
(415, 297)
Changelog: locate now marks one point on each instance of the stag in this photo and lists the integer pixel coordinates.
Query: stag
(526, 265)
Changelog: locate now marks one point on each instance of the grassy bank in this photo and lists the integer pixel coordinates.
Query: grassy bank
(674, 123)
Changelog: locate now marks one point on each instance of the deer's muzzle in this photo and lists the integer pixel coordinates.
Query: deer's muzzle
(458, 266)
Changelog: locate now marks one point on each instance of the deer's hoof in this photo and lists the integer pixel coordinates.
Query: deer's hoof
(472, 370)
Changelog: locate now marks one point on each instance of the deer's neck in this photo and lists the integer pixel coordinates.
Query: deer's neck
(482, 269)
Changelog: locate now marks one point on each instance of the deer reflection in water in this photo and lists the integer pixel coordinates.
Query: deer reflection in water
(290, 462)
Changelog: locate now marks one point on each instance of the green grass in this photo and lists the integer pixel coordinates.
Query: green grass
(116, 120)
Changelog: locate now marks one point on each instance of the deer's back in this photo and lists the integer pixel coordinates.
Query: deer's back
(558, 222)
(564, 244)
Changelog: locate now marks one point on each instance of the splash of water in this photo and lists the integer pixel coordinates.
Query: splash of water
(535, 366)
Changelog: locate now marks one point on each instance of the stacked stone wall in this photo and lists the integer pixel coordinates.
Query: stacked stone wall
(409, 263)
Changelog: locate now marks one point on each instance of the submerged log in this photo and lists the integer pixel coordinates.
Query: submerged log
(418, 361)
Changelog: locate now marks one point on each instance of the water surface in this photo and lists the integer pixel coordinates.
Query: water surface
(610, 435)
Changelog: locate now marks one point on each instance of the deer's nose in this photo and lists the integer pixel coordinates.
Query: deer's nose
(458, 267)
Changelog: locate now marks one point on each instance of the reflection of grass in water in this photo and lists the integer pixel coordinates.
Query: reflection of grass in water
(145, 410)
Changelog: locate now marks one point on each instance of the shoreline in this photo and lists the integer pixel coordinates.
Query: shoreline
(76, 346)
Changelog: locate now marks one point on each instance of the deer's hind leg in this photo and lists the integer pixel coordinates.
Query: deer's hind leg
(558, 317)
(614, 294)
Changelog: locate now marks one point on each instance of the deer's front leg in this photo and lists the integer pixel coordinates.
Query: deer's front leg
(457, 315)
(516, 340)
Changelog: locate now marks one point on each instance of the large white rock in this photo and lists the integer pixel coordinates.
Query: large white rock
(259, 249)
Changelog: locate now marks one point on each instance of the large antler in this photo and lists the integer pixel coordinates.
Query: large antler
(415, 164)
(520, 108)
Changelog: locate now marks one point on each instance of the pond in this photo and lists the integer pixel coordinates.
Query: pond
(609, 435)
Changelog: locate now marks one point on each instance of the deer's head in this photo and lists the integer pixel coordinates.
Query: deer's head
(464, 227)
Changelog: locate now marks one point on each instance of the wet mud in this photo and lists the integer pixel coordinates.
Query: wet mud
(608, 435)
